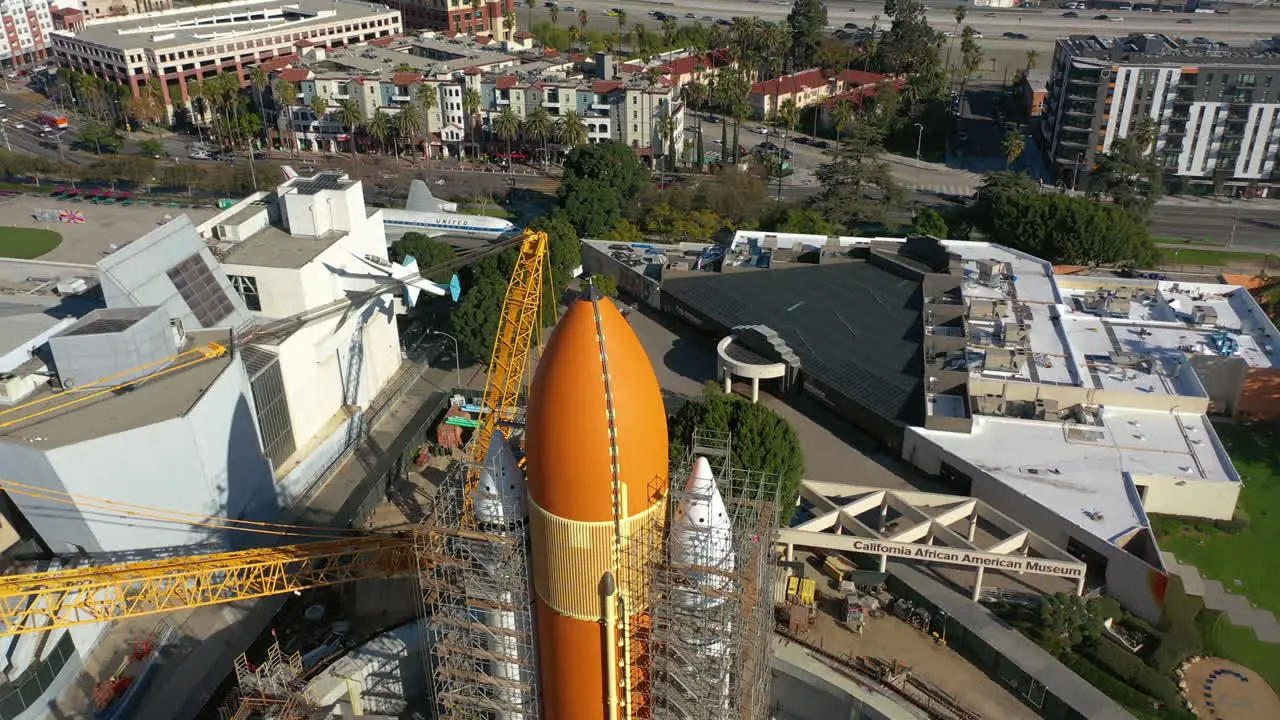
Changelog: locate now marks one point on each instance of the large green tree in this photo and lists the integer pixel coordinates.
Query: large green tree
(590, 206)
(910, 46)
(763, 441)
(808, 21)
(429, 253)
(1013, 211)
(610, 164)
(1130, 174)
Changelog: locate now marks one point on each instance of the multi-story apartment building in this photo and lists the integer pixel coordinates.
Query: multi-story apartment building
(27, 26)
(612, 103)
(179, 47)
(1216, 109)
(484, 18)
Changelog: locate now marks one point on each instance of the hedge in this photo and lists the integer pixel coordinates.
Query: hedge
(1130, 668)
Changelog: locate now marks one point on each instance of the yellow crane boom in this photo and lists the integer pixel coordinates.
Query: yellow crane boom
(519, 322)
(62, 598)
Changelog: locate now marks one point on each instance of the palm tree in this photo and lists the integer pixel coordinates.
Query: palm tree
(574, 34)
(1032, 57)
(570, 130)
(509, 23)
(668, 30)
(380, 129)
(583, 17)
(471, 107)
(349, 115)
(960, 13)
(506, 125)
(408, 124)
(1012, 146)
(475, 13)
(621, 17)
(652, 76)
(259, 79)
(667, 132)
(555, 24)
(538, 128)
(641, 33)
(842, 115)
(529, 4)
(319, 108)
(286, 95)
(429, 98)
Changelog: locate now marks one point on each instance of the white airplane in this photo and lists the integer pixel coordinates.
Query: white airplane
(407, 274)
(426, 214)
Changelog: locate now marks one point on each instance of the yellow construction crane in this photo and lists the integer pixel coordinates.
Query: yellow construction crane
(43, 601)
(519, 323)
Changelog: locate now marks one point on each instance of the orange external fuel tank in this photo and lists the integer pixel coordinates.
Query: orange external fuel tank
(596, 439)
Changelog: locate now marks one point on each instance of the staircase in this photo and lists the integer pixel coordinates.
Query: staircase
(1237, 608)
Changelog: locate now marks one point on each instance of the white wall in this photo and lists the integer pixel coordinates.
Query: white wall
(208, 463)
(1178, 496)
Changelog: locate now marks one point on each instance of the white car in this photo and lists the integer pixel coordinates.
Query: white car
(760, 130)
(19, 126)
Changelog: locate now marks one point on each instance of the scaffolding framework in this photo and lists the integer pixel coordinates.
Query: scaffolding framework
(710, 626)
(478, 609)
(274, 690)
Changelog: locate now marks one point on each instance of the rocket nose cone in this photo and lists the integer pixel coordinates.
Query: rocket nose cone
(701, 480)
(701, 532)
(499, 496)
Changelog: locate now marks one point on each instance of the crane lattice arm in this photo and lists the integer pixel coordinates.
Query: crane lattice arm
(520, 320)
(62, 598)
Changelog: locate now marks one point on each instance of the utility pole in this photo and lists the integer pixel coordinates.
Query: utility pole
(1075, 179)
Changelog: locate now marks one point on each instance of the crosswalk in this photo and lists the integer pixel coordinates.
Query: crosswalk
(957, 190)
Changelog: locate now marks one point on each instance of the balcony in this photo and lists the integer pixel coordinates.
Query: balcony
(340, 96)
(1077, 122)
(401, 98)
(1083, 79)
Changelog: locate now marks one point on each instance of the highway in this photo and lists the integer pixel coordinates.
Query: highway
(1241, 26)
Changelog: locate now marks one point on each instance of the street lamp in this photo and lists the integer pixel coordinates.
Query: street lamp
(457, 361)
(919, 139)
(1076, 177)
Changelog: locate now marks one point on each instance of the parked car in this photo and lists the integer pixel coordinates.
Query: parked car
(821, 144)
(1184, 21)
(766, 146)
(1071, 14)
(802, 140)
(760, 130)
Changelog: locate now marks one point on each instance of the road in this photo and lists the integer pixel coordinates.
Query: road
(1241, 26)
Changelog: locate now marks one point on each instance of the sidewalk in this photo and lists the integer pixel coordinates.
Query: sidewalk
(209, 639)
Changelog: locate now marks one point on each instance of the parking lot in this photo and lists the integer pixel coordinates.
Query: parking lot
(105, 225)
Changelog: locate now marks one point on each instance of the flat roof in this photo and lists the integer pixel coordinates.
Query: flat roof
(429, 56)
(26, 317)
(276, 248)
(854, 326)
(219, 22)
(1086, 473)
(168, 396)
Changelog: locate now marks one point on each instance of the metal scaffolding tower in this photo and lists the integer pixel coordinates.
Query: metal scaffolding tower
(477, 608)
(274, 690)
(712, 617)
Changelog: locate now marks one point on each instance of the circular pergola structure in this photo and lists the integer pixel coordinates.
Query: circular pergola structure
(755, 353)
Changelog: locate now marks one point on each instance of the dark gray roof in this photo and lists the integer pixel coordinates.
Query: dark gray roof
(855, 326)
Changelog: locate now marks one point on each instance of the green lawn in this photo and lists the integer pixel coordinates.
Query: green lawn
(27, 243)
(1212, 258)
(487, 210)
(1224, 640)
(1240, 556)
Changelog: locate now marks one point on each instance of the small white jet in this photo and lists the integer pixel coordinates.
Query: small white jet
(408, 275)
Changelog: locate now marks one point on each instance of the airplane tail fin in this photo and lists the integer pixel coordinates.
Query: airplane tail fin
(289, 172)
(455, 288)
(421, 199)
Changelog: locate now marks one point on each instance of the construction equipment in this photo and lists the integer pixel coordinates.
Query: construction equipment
(799, 610)
(43, 601)
(837, 568)
(518, 325)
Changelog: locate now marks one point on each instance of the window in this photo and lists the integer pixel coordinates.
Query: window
(266, 384)
(200, 291)
(247, 288)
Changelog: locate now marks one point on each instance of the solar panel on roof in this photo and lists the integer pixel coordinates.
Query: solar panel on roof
(323, 181)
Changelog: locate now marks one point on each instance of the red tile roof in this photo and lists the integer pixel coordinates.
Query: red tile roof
(551, 53)
(406, 78)
(505, 82)
(303, 43)
(451, 34)
(604, 87)
(384, 41)
(275, 64)
(790, 84)
(472, 71)
(484, 39)
(858, 94)
(578, 57)
(523, 35)
(689, 64)
(295, 75)
(630, 68)
(859, 77)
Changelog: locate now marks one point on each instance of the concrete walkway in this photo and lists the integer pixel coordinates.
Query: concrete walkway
(1237, 608)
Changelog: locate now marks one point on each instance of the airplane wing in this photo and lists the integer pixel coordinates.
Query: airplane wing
(382, 269)
(421, 199)
(414, 283)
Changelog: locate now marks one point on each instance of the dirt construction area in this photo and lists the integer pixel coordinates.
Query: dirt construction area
(890, 639)
(1222, 690)
(104, 225)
